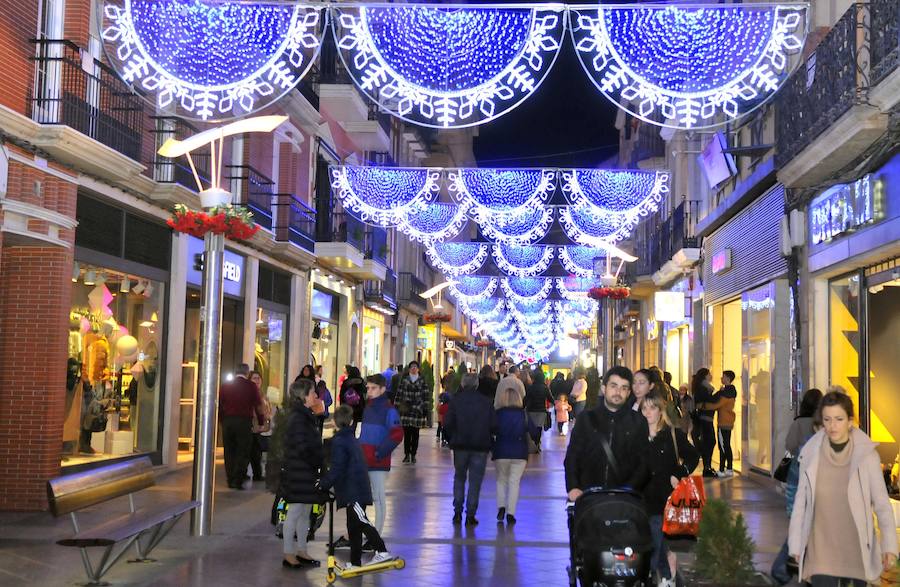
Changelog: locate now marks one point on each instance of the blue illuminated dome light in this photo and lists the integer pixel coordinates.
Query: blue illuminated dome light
(523, 290)
(448, 66)
(437, 221)
(628, 192)
(523, 261)
(384, 195)
(591, 227)
(473, 288)
(507, 192)
(210, 60)
(574, 288)
(579, 260)
(457, 258)
(521, 229)
(692, 65)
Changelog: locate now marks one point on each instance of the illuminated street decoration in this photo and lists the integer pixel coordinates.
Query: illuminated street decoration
(473, 287)
(526, 289)
(210, 60)
(487, 310)
(579, 260)
(691, 66)
(523, 261)
(452, 66)
(585, 226)
(521, 229)
(574, 288)
(457, 258)
(437, 221)
(384, 195)
(507, 192)
(635, 193)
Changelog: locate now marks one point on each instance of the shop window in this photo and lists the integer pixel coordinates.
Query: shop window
(884, 369)
(274, 286)
(114, 381)
(844, 343)
(271, 352)
(758, 307)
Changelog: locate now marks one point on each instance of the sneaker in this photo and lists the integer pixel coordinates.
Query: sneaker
(413, 459)
(457, 518)
(342, 543)
(500, 514)
(471, 521)
(710, 474)
(382, 557)
(406, 459)
(348, 566)
(729, 472)
(510, 519)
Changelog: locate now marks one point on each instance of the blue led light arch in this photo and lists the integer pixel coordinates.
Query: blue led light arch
(579, 260)
(506, 192)
(523, 261)
(385, 195)
(210, 60)
(473, 288)
(457, 258)
(524, 290)
(520, 229)
(436, 221)
(693, 66)
(448, 66)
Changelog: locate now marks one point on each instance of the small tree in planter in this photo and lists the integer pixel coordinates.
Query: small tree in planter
(724, 552)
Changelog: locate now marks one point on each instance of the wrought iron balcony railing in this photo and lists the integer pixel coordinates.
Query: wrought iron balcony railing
(835, 78)
(376, 246)
(657, 240)
(340, 226)
(382, 292)
(408, 289)
(294, 221)
(254, 189)
(76, 90)
(885, 53)
(166, 170)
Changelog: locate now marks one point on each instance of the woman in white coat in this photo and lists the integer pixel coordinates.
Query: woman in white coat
(841, 490)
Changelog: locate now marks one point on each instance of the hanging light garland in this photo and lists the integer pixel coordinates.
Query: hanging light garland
(579, 260)
(520, 229)
(526, 289)
(472, 288)
(436, 221)
(507, 192)
(630, 193)
(574, 288)
(448, 67)
(384, 195)
(587, 226)
(689, 66)
(457, 258)
(523, 261)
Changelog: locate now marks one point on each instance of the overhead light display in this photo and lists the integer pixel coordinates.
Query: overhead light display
(689, 66)
(210, 60)
(523, 261)
(448, 66)
(384, 195)
(457, 258)
(436, 221)
(508, 192)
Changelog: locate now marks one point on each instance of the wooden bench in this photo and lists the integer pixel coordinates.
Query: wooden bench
(71, 493)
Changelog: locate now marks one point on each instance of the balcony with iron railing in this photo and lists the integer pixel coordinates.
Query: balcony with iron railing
(658, 241)
(167, 170)
(295, 222)
(409, 288)
(376, 245)
(836, 106)
(341, 226)
(382, 292)
(253, 189)
(74, 89)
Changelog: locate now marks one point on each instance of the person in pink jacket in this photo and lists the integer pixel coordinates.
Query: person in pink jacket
(563, 407)
(832, 532)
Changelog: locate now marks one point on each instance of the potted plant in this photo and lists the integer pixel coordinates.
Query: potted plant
(724, 551)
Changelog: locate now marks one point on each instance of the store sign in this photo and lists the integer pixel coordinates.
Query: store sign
(450, 345)
(721, 261)
(844, 208)
(232, 268)
(668, 306)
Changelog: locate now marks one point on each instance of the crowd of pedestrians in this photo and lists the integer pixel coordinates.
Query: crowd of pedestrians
(638, 433)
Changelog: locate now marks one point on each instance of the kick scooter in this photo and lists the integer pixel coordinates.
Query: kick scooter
(334, 570)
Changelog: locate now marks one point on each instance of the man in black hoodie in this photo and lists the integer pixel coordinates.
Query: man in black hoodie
(608, 431)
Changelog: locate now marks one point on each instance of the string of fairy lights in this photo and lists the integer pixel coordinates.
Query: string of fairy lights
(454, 66)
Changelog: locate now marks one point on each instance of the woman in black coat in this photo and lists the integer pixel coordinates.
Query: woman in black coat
(354, 381)
(536, 397)
(666, 465)
(303, 459)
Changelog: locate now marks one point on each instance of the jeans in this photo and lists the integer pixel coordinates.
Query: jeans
(237, 440)
(659, 560)
(410, 440)
(779, 570)
(707, 443)
(471, 464)
(577, 408)
(256, 453)
(379, 497)
(296, 525)
(509, 476)
(726, 459)
(538, 419)
(357, 525)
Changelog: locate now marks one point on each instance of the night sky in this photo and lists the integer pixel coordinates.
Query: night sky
(567, 114)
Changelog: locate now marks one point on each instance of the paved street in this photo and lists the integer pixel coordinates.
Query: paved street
(244, 551)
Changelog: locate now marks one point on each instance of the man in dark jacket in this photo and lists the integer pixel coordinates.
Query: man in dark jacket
(470, 422)
(240, 406)
(303, 458)
(608, 431)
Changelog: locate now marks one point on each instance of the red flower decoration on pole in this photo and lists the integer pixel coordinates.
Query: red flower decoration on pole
(437, 317)
(234, 222)
(483, 342)
(614, 293)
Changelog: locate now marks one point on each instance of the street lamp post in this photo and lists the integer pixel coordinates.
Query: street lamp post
(203, 486)
(606, 313)
(439, 350)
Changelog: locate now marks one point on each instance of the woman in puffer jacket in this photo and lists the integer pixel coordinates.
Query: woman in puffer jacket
(841, 491)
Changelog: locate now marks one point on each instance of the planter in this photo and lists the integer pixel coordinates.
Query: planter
(215, 197)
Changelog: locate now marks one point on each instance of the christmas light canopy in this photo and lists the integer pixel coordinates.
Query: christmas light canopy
(523, 261)
(384, 195)
(619, 192)
(519, 229)
(589, 226)
(457, 258)
(506, 192)
(689, 66)
(436, 221)
(210, 60)
(448, 66)
(474, 287)
(526, 289)
(579, 260)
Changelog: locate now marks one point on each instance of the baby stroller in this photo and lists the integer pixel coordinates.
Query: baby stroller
(609, 539)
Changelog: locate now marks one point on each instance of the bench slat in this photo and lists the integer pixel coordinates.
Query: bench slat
(126, 526)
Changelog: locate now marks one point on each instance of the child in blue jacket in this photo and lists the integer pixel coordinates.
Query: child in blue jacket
(349, 477)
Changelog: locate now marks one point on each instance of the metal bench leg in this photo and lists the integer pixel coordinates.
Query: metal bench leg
(156, 536)
(106, 562)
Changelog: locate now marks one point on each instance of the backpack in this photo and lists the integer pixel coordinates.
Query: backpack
(351, 397)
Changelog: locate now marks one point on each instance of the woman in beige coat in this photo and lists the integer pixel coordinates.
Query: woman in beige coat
(841, 489)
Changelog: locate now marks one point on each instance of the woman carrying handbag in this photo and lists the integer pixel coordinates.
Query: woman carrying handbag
(670, 457)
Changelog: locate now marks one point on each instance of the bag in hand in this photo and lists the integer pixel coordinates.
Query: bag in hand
(781, 471)
(684, 508)
(547, 422)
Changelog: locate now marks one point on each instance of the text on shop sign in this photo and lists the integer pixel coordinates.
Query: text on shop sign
(231, 271)
(721, 261)
(843, 208)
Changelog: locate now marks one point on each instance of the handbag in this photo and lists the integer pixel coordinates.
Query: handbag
(684, 507)
(547, 421)
(781, 471)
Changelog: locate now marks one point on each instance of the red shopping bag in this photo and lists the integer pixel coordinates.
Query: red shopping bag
(684, 508)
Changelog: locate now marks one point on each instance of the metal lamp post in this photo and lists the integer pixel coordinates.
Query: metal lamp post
(606, 313)
(439, 351)
(203, 486)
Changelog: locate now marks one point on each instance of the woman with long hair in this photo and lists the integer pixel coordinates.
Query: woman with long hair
(353, 394)
(510, 452)
(841, 490)
(579, 393)
(669, 458)
(704, 429)
(487, 382)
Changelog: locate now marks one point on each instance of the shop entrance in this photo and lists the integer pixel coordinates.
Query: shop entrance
(678, 348)
(725, 332)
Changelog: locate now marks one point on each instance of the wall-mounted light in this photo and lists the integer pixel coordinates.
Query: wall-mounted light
(125, 286)
(90, 278)
(139, 287)
(76, 272)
